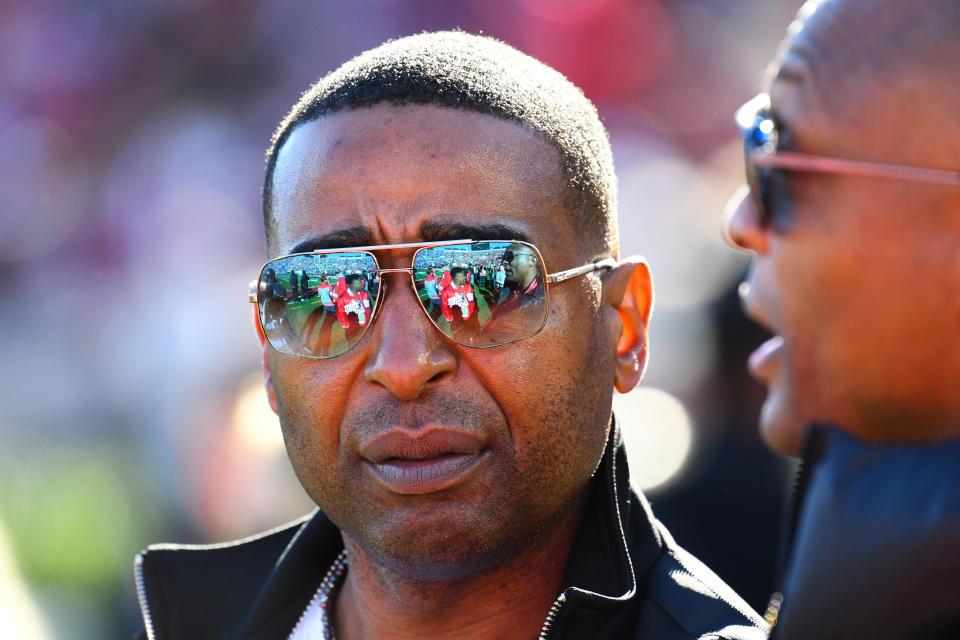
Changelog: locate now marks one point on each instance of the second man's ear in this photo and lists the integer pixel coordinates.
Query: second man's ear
(629, 289)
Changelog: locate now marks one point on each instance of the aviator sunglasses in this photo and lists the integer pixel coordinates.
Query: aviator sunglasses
(766, 166)
(479, 294)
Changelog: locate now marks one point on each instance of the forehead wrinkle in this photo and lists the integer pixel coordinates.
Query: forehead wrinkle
(854, 51)
(824, 67)
(795, 65)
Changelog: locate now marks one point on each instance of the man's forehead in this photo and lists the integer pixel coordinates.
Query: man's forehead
(436, 230)
(810, 60)
(842, 64)
(344, 181)
(820, 90)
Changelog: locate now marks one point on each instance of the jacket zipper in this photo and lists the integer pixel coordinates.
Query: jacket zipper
(812, 450)
(142, 597)
(552, 617)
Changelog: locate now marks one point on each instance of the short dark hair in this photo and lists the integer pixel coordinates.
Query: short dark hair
(455, 271)
(464, 71)
(353, 277)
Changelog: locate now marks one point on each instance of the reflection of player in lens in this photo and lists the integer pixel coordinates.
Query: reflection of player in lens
(522, 280)
(304, 285)
(522, 289)
(328, 312)
(521, 270)
(271, 287)
(353, 305)
(327, 295)
(457, 301)
(294, 283)
(431, 284)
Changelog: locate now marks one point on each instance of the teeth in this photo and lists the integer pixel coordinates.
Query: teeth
(743, 290)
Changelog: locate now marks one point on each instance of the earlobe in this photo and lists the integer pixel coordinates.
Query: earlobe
(629, 289)
(267, 380)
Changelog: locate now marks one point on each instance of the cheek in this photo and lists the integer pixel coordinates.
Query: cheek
(310, 406)
(558, 427)
(807, 300)
(860, 309)
(569, 383)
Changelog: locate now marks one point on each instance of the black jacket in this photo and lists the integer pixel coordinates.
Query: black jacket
(258, 587)
(876, 550)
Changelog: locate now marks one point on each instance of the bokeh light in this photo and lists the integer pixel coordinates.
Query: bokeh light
(656, 432)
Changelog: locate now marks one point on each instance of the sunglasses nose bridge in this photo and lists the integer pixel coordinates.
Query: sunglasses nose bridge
(411, 273)
(398, 307)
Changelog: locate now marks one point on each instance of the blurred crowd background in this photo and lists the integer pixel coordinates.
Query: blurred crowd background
(132, 140)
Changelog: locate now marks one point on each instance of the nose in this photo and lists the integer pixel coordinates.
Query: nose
(408, 355)
(741, 227)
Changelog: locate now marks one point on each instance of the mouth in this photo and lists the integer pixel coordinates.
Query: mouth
(421, 461)
(764, 360)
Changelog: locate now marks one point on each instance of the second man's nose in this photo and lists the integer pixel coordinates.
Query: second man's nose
(741, 225)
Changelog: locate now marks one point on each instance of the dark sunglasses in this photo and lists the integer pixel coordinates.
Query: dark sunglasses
(766, 166)
(321, 304)
(509, 255)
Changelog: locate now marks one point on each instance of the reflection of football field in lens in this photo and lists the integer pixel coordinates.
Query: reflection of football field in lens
(299, 313)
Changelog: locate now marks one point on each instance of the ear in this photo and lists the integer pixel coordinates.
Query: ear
(267, 380)
(629, 289)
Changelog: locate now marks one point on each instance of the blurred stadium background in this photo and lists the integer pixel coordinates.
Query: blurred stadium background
(133, 138)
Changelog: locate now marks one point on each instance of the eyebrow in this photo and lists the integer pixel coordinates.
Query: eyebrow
(430, 231)
(358, 236)
(794, 68)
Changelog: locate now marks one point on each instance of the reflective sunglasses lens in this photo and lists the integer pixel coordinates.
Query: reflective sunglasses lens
(767, 184)
(482, 294)
(756, 181)
(318, 305)
(768, 190)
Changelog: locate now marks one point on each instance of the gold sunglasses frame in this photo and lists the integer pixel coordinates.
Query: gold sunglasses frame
(551, 278)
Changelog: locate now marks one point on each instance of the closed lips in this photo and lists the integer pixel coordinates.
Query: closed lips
(422, 462)
(420, 445)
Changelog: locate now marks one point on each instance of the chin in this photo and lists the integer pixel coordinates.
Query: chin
(780, 428)
(436, 557)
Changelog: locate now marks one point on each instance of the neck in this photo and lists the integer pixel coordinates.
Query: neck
(509, 600)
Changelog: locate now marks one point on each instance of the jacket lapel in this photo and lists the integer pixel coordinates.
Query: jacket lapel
(294, 580)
